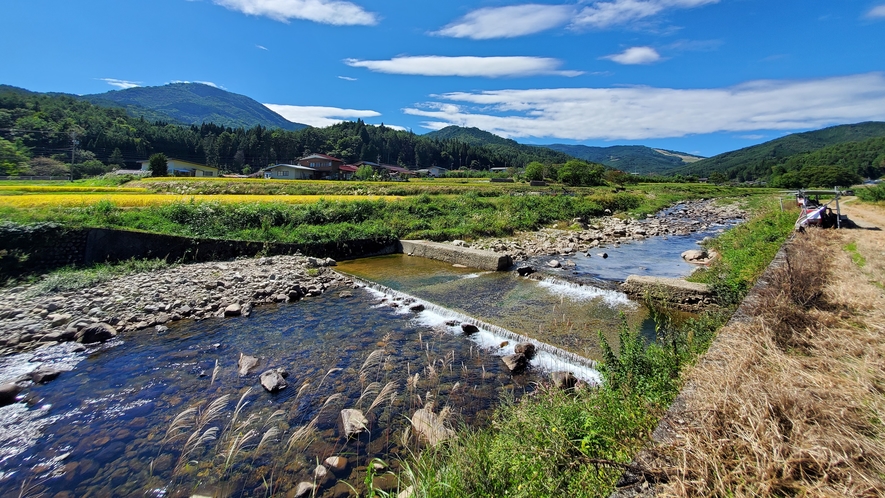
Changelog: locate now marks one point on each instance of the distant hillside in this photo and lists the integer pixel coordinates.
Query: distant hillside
(501, 146)
(757, 161)
(193, 103)
(630, 158)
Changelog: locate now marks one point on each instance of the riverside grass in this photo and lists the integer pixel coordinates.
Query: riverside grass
(83, 197)
(555, 443)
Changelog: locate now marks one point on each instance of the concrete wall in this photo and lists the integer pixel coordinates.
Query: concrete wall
(474, 258)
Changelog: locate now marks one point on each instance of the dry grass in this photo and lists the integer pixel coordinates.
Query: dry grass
(128, 200)
(791, 403)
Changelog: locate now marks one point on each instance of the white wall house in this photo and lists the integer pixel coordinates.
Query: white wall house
(177, 167)
(288, 172)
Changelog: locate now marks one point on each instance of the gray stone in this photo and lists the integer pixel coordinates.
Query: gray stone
(336, 463)
(353, 422)
(233, 310)
(429, 426)
(469, 328)
(58, 319)
(345, 294)
(246, 364)
(563, 380)
(603, 255)
(516, 363)
(45, 373)
(97, 332)
(554, 263)
(416, 308)
(526, 349)
(273, 380)
(694, 255)
(304, 489)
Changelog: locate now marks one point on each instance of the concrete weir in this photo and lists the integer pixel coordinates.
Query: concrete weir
(474, 258)
(689, 296)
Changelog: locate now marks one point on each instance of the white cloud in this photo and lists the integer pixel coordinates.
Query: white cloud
(508, 22)
(636, 55)
(526, 19)
(637, 113)
(208, 83)
(120, 83)
(319, 116)
(397, 128)
(877, 12)
(336, 12)
(262, 47)
(347, 78)
(752, 137)
(489, 67)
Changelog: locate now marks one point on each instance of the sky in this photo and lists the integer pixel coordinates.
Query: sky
(696, 76)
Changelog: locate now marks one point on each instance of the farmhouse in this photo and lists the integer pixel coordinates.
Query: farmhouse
(388, 169)
(288, 172)
(177, 167)
(324, 167)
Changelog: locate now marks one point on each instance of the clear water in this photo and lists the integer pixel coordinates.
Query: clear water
(99, 429)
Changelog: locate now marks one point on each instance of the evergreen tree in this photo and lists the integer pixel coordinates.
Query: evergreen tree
(158, 164)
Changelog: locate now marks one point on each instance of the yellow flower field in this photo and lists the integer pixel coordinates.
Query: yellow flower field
(146, 200)
(61, 188)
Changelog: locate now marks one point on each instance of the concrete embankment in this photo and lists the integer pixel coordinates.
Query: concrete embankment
(687, 296)
(474, 258)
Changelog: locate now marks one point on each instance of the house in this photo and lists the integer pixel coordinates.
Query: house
(324, 167)
(388, 169)
(177, 167)
(288, 172)
(347, 171)
(437, 171)
(498, 170)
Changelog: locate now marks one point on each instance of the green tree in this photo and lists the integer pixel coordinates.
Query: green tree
(247, 170)
(717, 178)
(364, 172)
(158, 164)
(13, 157)
(534, 171)
(116, 158)
(579, 173)
(44, 166)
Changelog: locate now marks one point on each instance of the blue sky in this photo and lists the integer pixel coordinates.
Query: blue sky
(700, 76)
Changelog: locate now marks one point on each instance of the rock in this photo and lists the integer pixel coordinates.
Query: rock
(8, 393)
(273, 380)
(406, 493)
(320, 473)
(516, 363)
(525, 271)
(603, 255)
(246, 364)
(303, 489)
(694, 255)
(233, 310)
(353, 422)
(554, 264)
(336, 463)
(161, 329)
(97, 332)
(526, 349)
(345, 294)
(469, 328)
(416, 308)
(58, 319)
(385, 483)
(430, 426)
(563, 380)
(45, 373)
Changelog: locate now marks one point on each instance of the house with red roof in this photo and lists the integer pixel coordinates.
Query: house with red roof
(324, 167)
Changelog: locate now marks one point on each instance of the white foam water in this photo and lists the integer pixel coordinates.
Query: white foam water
(497, 340)
(579, 292)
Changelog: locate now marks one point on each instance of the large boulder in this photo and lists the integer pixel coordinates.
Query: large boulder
(353, 422)
(516, 363)
(246, 364)
(554, 263)
(45, 373)
(525, 271)
(469, 328)
(233, 310)
(526, 349)
(695, 255)
(97, 332)
(8, 393)
(336, 463)
(274, 380)
(564, 380)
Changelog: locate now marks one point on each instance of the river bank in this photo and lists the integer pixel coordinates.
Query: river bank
(30, 319)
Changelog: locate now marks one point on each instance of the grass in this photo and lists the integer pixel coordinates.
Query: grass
(133, 199)
(856, 257)
(791, 402)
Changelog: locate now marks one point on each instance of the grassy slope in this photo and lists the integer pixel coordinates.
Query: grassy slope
(628, 158)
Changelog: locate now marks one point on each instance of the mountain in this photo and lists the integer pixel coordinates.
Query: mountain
(475, 137)
(756, 161)
(193, 103)
(629, 158)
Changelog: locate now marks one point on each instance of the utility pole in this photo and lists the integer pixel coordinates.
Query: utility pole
(74, 144)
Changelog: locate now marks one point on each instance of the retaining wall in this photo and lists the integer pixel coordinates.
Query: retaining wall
(474, 258)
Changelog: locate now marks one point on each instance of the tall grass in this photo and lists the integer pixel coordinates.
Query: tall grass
(73, 278)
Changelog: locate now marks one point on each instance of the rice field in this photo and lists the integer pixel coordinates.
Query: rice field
(67, 189)
(135, 199)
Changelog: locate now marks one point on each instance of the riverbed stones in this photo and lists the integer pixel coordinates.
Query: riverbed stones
(97, 332)
(516, 363)
(44, 374)
(353, 422)
(526, 349)
(303, 489)
(554, 263)
(274, 380)
(233, 310)
(469, 328)
(430, 426)
(336, 463)
(246, 364)
(8, 393)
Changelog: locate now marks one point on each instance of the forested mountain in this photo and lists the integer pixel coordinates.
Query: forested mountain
(193, 104)
(842, 164)
(629, 158)
(44, 124)
(756, 162)
(477, 137)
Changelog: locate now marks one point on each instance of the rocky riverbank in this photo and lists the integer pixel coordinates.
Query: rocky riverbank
(584, 235)
(149, 301)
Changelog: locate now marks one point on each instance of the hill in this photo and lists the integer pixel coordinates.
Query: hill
(474, 137)
(193, 103)
(757, 161)
(630, 158)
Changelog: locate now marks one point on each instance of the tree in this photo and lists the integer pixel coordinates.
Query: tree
(364, 172)
(717, 178)
(579, 173)
(13, 157)
(116, 158)
(91, 167)
(247, 170)
(534, 171)
(158, 164)
(44, 166)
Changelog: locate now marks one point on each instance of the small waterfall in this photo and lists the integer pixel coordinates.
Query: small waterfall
(581, 292)
(549, 358)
